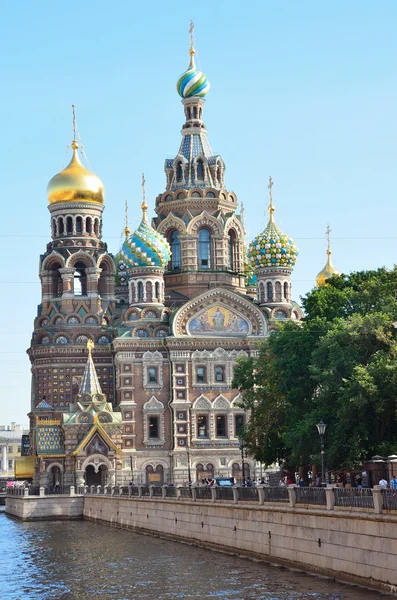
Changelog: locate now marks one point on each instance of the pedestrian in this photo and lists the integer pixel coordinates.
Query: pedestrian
(131, 483)
(301, 483)
(393, 483)
(318, 481)
(383, 482)
(289, 481)
(359, 482)
(281, 482)
(248, 483)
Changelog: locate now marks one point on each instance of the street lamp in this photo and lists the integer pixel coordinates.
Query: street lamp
(189, 475)
(132, 471)
(241, 443)
(321, 427)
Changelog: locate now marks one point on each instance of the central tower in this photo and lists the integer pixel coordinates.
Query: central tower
(196, 213)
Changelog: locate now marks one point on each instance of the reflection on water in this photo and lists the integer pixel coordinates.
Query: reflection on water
(83, 561)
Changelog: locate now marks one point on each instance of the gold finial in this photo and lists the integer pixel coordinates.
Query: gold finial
(271, 207)
(144, 205)
(90, 347)
(328, 234)
(127, 230)
(74, 143)
(191, 49)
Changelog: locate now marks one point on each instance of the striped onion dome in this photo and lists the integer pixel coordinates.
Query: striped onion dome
(192, 82)
(145, 247)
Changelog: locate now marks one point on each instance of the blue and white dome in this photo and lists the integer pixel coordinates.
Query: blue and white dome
(192, 82)
(145, 247)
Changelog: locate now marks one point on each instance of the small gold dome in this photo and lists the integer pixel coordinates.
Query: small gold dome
(326, 273)
(75, 183)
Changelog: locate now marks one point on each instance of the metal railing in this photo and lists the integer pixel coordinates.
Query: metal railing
(203, 493)
(310, 495)
(185, 492)
(354, 497)
(375, 500)
(249, 494)
(275, 494)
(224, 493)
(389, 499)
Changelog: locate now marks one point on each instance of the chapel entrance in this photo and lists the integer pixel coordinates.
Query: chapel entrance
(93, 478)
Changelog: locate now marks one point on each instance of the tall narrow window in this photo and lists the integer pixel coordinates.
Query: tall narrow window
(179, 173)
(153, 423)
(61, 228)
(286, 295)
(239, 423)
(140, 290)
(69, 225)
(78, 225)
(269, 289)
(204, 249)
(175, 244)
(200, 375)
(219, 374)
(157, 291)
(202, 428)
(200, 169)
(231, 258)
(194, 112)
(221, 426)
(88, 225)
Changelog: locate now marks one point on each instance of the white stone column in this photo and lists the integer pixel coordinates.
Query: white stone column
(4, 464)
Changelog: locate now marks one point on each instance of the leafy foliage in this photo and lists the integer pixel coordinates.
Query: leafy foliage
(340, 365)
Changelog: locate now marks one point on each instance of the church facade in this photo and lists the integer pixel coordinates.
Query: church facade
(133, 355)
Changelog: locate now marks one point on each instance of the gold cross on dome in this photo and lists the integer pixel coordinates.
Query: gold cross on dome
(328, 234)
(74, 121)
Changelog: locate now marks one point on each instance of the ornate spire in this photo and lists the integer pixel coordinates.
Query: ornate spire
(271, 207)
(144, 205)
(192, 82)
(127, 230)
(90, 383)
(329, 270)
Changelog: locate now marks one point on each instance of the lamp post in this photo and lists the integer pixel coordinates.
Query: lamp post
(132, 471)
(321, 427)
(189, 475)
(241, 443)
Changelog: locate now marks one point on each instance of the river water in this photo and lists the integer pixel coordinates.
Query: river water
(86, 561)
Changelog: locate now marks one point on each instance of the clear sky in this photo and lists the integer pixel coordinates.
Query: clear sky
(304, 91)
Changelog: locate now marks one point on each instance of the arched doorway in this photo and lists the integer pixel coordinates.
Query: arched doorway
(93, 477)
(207, 473)
(55, 477)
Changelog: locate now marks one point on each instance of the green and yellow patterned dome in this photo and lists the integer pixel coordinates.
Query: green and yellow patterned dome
(272, 248)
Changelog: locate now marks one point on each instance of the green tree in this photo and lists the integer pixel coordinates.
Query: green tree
(339, 365)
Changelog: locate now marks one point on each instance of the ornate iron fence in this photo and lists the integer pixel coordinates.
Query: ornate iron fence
(354, 497)
(311, 495)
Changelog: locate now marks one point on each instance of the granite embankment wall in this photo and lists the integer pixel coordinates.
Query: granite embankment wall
(47, 508)
(350, 546)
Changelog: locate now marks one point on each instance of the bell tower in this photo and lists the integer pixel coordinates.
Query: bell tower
(77, 291)
(196, 213)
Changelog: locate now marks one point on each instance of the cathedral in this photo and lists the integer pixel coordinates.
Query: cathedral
(133, 355)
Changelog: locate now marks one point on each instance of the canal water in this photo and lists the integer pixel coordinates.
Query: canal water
(85, 561)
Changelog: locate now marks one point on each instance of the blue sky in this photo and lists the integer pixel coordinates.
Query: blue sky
(304, 91)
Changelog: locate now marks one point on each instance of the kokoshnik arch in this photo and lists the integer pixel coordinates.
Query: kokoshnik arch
(164, 321)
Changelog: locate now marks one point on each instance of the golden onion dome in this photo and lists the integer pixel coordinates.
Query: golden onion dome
(327, 272)
(75, 183)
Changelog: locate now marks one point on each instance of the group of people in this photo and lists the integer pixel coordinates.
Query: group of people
(392, 484)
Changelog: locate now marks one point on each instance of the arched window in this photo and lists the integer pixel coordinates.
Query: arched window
(96, 226)
(200, 169)
(194, 112)
(79, 280)
(277, 290)
(140, 290)
(175, 244)
(79, 225)
(56, 281)
(200, 113)
(231, 257)
(88, 225)
(188, 114)
(269, 290)
(69, 225)
(179, 172)
(54, 228)
(157, 291)
(204, 249)
(61, 228)
(286, 294)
